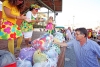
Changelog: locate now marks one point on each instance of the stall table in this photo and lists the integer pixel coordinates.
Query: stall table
(61, 57)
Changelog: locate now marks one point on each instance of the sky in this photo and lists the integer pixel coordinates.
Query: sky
(81, 13)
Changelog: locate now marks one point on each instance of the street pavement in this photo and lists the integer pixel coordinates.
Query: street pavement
(71, 55)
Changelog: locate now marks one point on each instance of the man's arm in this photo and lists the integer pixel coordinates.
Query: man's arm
(61, 44)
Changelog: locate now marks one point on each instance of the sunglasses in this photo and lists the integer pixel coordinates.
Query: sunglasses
(36, 9)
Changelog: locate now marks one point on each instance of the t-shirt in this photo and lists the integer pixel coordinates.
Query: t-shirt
(13, 9)
(30, 15)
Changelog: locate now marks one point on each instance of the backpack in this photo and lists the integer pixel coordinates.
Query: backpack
(6, 58)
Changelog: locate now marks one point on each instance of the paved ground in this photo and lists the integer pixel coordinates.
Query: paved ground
(71, 55)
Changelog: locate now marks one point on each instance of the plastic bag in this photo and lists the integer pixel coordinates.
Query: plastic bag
(6, 58)
(27, 53)
(23, 63)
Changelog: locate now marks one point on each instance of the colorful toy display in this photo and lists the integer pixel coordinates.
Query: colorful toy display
(43, 53)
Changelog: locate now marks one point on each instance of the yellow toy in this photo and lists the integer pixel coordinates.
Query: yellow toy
(39, 56)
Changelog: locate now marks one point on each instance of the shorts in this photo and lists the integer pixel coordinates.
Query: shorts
(27, 34)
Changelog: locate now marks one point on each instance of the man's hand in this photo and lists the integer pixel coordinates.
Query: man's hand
(61, 44)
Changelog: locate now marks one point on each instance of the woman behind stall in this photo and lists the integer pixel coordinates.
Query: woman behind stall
(9, 29)
(27, 26)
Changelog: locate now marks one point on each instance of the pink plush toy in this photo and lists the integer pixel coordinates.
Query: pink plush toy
(49, 26)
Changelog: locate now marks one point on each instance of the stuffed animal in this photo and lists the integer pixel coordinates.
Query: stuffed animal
(39, 56)
(43, 42)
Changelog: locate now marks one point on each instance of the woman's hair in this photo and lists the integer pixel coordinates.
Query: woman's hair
(34, 6)
(31, 8)
(82, 31)
(14, 3)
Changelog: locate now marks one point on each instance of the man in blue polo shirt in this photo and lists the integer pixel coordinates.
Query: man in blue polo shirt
(86, 50)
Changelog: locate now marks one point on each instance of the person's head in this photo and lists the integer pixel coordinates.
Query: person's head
(81, 33)
(98, 37)
(18, 3)
(51, 17)
(69, 28)
(34, 8)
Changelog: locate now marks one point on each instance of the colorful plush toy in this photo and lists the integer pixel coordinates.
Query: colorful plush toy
(27, 53)
(43, 42)
(39, 56)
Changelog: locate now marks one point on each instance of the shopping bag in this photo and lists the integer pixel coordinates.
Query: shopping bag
(49, 63)
(6, 58)
(51, 53)
(23, 63)
(27, 53)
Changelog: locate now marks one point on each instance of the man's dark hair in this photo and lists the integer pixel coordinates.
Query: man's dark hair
(82, 31)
